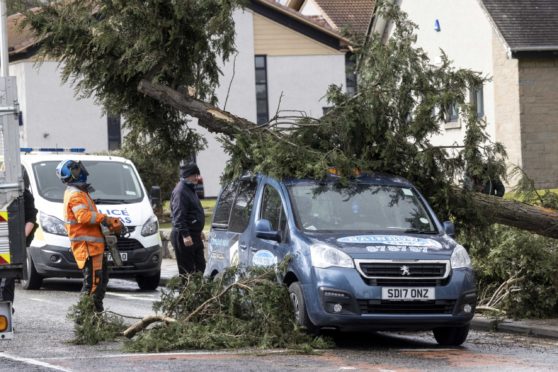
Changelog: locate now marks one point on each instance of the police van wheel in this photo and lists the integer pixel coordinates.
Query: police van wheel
(451, 336)
(299, 307)
(31, 278)
(148, 282)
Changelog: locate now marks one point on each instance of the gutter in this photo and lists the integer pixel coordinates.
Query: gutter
(549, 48)
(302, 19)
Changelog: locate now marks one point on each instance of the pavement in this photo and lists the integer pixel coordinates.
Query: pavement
(528, 327)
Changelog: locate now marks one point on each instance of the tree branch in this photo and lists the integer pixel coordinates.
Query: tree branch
(210, 117)
(142, 324)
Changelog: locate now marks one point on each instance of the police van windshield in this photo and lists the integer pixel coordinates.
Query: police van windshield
(360, 207)
(114, 182)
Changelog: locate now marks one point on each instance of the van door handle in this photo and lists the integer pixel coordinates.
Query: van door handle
(254, 249)
(242, 246)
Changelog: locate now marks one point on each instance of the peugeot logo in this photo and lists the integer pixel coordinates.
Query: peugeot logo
(405, 270)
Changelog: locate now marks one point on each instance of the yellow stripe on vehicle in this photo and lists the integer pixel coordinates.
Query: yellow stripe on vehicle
(3, 215)
(5, 258)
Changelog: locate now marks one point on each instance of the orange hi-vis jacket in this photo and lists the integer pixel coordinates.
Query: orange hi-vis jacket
(83, 225)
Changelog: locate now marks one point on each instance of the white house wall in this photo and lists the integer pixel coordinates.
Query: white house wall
(302, 81)
(241, 100)
(52, 115)
(466, 37)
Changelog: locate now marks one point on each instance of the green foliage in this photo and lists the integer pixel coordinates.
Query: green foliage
(106, 47)
(387, 126)
(525, 191)
(17, 6)
(231, 311)
(505, 254)
(91, 327)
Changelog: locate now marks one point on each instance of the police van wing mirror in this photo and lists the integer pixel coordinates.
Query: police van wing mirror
(264, 230)
(155, 196)
(449, 228)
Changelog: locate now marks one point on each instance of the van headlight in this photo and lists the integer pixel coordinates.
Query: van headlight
(150, 227)
(324, 256)
(52, 225)
(460, 258)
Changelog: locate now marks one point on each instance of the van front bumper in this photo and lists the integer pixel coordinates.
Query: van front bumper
(343, 300)
(56, 261)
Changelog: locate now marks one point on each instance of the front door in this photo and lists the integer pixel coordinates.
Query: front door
(263, 252)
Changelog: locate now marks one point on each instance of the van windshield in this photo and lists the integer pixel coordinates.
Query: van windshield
(114, 182)
(360, 207)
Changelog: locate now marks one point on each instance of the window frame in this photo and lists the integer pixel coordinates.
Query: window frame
(262, 98)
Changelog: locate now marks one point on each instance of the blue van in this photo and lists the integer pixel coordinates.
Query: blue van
(367, 255)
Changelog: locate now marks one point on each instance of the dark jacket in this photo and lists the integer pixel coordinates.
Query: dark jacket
(30, 213)
(186, 209)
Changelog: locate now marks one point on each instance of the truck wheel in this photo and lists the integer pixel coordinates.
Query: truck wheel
(148, 282)
(299, 307)
(31, 278)
(451, 336)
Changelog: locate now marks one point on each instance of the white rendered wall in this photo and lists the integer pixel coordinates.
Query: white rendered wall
(241, 100)
(466, 38)
(303, 82)
(52, 115)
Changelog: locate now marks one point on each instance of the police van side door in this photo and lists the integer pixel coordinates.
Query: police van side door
(269, 248)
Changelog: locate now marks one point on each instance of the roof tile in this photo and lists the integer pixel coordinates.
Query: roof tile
(526, 24)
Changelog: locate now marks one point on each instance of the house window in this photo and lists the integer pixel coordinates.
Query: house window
(261, 90)
(452, 113)
(114, 132)
(477, 100)
(350, 74)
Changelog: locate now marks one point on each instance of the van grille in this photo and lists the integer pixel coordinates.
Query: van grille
(378, 269)
(125, 244)
(407, 283)
(406, 307)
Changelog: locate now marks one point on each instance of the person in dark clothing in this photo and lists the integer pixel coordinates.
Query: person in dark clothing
(188, 220)
(7, 285)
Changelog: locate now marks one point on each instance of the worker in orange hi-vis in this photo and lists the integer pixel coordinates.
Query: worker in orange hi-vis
(83, 223)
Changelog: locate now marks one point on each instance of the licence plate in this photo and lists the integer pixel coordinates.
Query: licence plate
(408, 294)
(123, 256)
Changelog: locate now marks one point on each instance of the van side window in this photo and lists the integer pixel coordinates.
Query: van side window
(223, 208)
(272, 208)
(242, 208)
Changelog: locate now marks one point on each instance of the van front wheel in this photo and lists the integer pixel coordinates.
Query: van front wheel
(299, 307)
(31, 278)
(148, 282)
(451, 336)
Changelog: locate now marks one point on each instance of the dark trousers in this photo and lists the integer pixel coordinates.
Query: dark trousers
(7, 289)
(189, 259)
(95, 279)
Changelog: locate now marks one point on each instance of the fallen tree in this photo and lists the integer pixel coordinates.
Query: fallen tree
(538, 220)
(402, 100)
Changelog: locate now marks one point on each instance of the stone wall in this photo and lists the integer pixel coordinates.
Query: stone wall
(506, 101)
(538, 92)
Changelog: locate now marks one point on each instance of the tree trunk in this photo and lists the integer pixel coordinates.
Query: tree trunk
(523, 216)
(210, 117)
(538, 220)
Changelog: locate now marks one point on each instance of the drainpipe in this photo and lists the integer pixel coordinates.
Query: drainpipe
(4, 61)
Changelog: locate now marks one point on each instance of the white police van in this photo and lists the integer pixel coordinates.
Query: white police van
(119, 192)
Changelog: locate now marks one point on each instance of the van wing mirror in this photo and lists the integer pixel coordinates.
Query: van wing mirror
(155, 196)
(265, 231)
(449, 228)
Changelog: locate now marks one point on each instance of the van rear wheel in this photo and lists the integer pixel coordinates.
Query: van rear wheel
(31, 278)
(149, 282)
(299, 307)
(451, 336)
